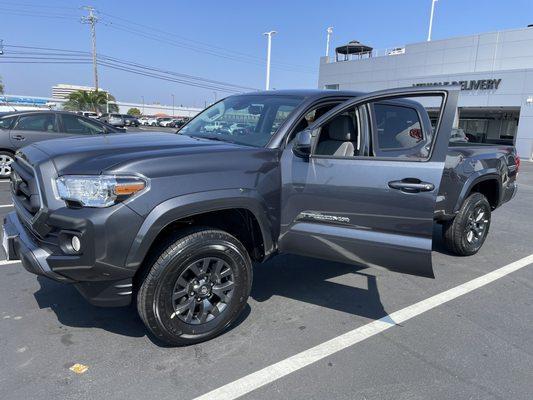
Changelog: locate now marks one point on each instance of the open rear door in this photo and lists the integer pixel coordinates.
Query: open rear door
(366, 193)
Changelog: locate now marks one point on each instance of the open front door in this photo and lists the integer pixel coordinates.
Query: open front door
(366, 192)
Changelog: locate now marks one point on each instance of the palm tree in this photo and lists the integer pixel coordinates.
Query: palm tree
(82, 100)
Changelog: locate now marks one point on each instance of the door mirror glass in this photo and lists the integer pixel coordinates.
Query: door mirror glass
(303, 143)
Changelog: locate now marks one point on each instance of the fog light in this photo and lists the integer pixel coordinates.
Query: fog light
(76, 244)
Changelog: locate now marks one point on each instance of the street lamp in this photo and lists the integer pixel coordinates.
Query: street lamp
(172, 105)
(431, 19)
(269, 47)
(329, 31)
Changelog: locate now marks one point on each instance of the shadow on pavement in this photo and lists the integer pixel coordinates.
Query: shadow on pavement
(308, 279)
(73, 310)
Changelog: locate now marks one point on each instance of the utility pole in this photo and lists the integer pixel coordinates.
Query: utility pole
(142, 97)
(431, 19)
(329, 32)
(92, 19)
(269, 48)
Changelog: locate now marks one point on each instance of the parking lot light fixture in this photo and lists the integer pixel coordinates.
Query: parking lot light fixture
(269, 48)
(329, 31)
(172, 105)
(431, 19)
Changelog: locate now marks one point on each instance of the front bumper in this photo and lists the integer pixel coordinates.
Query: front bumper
(100, 284)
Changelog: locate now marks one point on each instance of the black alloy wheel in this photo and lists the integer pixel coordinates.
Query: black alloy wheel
(195, 286)
(203, 290)
(466, 233)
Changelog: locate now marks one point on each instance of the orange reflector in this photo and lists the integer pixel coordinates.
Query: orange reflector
(125, 189)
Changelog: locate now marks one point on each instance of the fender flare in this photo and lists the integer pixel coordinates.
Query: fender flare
(188, 205)
(473, 180)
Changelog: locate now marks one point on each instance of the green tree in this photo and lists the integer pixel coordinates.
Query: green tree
(82, 100)
(1, 86)
(134, 111)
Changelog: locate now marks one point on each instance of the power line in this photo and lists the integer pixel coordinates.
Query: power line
(209, 46)
(36, 54)
(23, 13)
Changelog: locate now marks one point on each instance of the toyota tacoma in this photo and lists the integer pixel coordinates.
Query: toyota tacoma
(173, 222)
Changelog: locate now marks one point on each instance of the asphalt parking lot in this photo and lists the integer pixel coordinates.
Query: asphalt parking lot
(476, 346)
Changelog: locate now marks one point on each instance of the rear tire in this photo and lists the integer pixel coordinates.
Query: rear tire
(466, 233)
(6, 159)
(196, 288)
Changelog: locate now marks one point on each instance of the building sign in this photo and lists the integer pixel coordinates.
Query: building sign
(480, 84)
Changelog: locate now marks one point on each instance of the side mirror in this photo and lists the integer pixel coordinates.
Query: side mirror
(303, 143)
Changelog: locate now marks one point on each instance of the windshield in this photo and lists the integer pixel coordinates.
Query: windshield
(246, 119)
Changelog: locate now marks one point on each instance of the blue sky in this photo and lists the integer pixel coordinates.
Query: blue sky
(236, 26)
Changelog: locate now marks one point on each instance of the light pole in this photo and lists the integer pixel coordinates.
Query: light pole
(329, 31)
(142, 97)
(269, 48)
(215, 96)
(431, 19)
(172, 105)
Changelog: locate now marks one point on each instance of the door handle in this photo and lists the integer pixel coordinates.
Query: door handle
(411, 185)
(18, 137)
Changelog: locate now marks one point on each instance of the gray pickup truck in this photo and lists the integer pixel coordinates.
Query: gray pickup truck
(174, 222)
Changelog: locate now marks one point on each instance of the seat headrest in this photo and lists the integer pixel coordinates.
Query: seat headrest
(341, 128)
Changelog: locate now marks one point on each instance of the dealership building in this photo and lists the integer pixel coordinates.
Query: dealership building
(494, 71)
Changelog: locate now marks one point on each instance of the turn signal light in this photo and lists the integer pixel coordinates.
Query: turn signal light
(127, 189)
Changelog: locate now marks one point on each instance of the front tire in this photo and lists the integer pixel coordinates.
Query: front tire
(467, 232)
(196, 288)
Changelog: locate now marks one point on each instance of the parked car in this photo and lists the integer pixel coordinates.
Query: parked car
(143, 120)
(215, 126)
(175, 221)
(238, 127)
(164, 121)
(88, 114)
(130, 120)
(20, 129)
(151, 121)
(179, 123)
(113, 119)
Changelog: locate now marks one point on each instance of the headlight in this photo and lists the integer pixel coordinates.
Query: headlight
(98, 190)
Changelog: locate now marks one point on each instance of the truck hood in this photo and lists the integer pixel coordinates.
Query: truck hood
(90, 155)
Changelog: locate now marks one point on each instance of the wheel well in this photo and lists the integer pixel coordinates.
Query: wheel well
(490, 189)
(238, 222)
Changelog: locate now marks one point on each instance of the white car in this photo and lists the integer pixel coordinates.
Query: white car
(150, 121)
(165, 122)
(143, 120)
(238, 126)
(214, 126)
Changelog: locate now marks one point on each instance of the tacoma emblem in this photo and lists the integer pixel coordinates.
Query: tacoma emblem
(324, 217)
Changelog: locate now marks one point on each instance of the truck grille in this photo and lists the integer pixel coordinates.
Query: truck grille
(24, 187)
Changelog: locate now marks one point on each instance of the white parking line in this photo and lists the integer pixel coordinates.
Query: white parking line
(6, 205)
(292, 364)
(6, 262)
